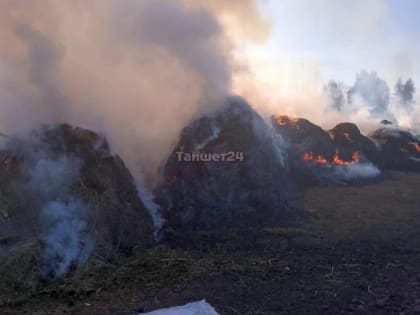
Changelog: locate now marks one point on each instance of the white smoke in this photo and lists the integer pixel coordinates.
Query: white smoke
(314, 42)
(52, 178)
(67, 239)
(367, 101)
(66, 235)
(137, 71)
(147, 197)
(356, 171)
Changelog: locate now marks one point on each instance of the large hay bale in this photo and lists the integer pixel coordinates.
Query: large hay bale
(63, 185)
(399, 149)
(248, 191)
(348, 139)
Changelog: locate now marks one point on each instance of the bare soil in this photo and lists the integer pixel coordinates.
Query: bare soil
(357, 253)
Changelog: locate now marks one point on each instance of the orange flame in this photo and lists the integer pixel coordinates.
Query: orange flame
(337, 160)
(319, 159)
(284, 120)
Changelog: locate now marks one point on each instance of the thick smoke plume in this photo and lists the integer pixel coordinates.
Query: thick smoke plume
(138, 71)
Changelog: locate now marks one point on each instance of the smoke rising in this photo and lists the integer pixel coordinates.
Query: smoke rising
(373, 90)
(313, 42)
(58, 216)
(52, 178)
(192, 37)
(43, 59)
(356, 171)
(137, 71)
(242, 18)
(67, 241)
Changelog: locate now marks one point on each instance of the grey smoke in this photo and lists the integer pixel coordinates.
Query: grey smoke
(191, 35)
(137, 71)
(336, 95)
(68, 242)
(53, 178)
(44, 56)
(373, 90)
(355, 171)
(65, 231)
(148, 199)
(369, 100)
(369, 89)
(405, 92)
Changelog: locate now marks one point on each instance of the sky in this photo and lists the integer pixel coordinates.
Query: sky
(333, 39)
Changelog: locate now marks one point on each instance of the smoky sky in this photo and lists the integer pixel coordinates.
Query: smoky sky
(190, 36)
(138, 71)
(43, 57)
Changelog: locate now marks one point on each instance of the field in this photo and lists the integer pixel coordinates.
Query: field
(356, 251)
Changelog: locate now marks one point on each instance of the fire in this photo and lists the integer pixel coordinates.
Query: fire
(319, 159)
(416, 145)
(337, 160)
(284, 120)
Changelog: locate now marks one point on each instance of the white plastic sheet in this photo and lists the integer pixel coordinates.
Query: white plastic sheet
(195, 308)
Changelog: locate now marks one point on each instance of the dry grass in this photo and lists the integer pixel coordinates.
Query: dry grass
(316, 267)
(384, 209)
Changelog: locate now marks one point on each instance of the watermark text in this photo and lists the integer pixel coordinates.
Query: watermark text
(210, 157)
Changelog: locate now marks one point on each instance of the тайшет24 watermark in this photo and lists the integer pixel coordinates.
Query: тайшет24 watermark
(210, 157)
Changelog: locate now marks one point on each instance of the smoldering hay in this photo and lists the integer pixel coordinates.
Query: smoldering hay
(63, 192)
(137, 71)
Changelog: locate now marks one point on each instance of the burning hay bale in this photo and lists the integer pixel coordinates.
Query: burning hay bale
(303, 136)
(336, 170)
(341, 155)
(234, 177)
(63, 186)
(348, 140)
(399, 149)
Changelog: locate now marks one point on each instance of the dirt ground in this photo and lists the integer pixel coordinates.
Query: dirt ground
(356, 253)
